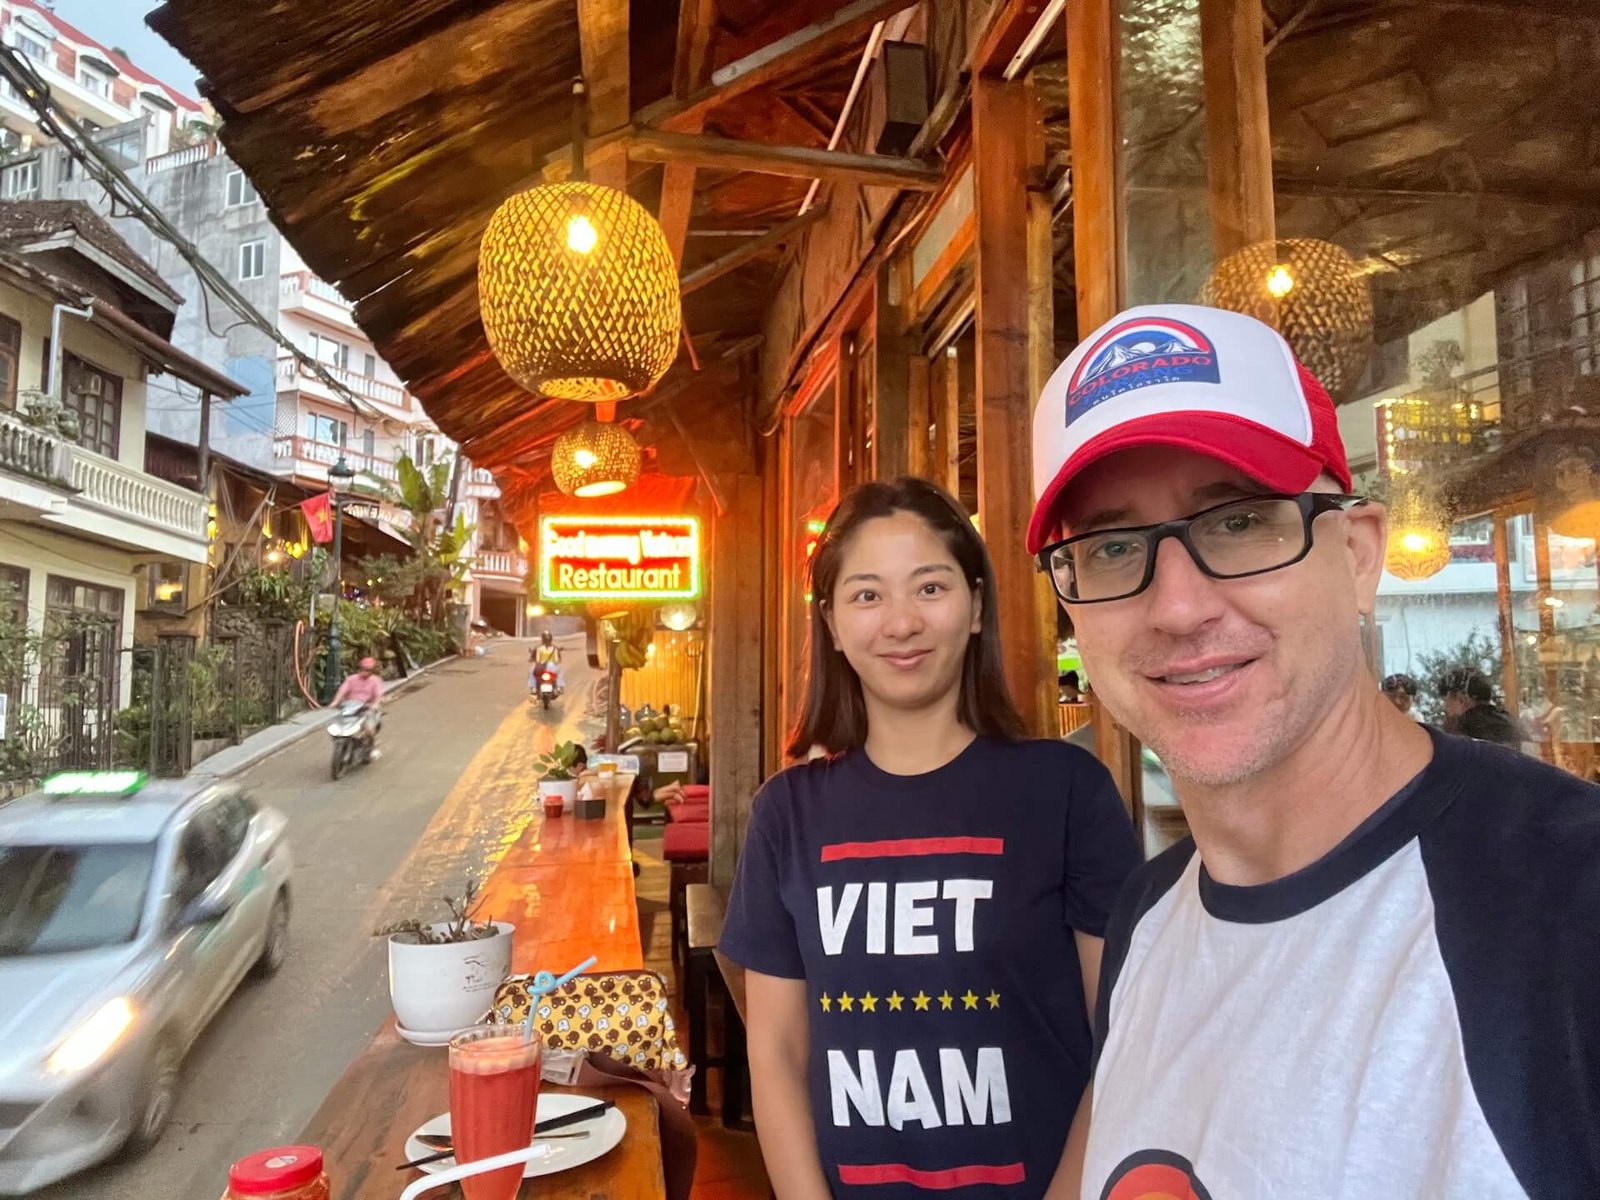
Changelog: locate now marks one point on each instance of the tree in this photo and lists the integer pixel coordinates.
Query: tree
(1479, 652)
(440, 557)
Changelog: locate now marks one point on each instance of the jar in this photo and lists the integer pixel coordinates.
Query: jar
(283, 1173)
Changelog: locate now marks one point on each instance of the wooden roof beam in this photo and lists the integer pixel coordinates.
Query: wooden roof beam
(773, 63)
(603, 44)
(752, 249)
(691, 71)
(797, 162)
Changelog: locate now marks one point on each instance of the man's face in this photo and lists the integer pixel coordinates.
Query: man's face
(365, 669)
(1221, 678)
(1456, 703)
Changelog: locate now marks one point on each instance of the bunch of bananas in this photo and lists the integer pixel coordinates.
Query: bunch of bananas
(630, 628)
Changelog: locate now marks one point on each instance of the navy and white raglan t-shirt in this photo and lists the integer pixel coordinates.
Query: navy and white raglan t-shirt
(1415, 1015)
(932, 920)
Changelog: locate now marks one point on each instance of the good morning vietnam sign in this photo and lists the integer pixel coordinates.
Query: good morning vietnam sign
(593, 558)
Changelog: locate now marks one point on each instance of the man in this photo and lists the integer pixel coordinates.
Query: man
(365, 687)
(1371, 972)
(1471, 711)
(545, 654)
(1400, 691)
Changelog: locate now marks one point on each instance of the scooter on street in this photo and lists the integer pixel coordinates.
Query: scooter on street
(546, 689)
(353, 731)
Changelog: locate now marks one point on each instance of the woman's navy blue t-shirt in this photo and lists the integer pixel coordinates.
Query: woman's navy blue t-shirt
(932, 919)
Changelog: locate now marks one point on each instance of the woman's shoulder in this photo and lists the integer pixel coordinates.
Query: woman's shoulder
(1043, 753)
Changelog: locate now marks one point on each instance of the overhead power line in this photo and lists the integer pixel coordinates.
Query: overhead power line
(99, 165)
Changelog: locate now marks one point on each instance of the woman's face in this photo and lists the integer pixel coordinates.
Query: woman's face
(902, 613)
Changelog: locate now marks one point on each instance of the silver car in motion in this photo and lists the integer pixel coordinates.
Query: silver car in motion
(129, 913)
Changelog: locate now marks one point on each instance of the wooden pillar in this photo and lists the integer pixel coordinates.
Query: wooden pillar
(1238, 133)
(850, 416)
(891, 385)
(945, 399)
(1002, 116)
(1100, 261)
(1508, 627)
(735, 647)
(1543, 591)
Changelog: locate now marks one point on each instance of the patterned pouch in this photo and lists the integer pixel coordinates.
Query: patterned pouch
(623, 1014)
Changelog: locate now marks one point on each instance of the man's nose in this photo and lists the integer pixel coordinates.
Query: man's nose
(1181, 597)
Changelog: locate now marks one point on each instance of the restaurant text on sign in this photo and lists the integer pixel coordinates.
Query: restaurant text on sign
(655, 558)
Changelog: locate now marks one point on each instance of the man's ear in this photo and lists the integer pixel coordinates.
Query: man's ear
(1366, 539)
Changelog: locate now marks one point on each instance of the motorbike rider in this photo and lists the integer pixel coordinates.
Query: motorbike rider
(545, 654)
(365, 687)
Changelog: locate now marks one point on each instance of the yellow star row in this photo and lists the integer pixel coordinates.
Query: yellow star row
(921, 1002)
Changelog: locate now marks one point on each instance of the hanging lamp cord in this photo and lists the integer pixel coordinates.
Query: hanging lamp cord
(580, 128)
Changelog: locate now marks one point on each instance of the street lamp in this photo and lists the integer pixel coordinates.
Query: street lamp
(340, 477)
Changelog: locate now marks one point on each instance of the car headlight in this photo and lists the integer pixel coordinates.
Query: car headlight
(92, 1040)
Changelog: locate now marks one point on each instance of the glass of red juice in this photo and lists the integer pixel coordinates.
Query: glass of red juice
(494, 1101)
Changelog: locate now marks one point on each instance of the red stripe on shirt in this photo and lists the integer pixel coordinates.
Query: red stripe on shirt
(951, 1177)
(913, 848)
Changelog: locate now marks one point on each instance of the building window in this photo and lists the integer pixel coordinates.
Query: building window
(369, 364)
(253, 260)
(36, 50)
(240, 190)
(1584, 299)
(329, 351)
(167, 583)
(369, 443)
(424, 451)
(20, 180)
(94, 81)
(330, 431)
(10, 350)
(96, 396)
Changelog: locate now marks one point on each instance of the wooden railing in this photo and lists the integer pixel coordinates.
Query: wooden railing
(25, 450)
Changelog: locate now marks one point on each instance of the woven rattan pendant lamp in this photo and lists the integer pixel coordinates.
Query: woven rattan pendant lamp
(1419, 533)
(595, 460)
(1310, 291)
(578, 288)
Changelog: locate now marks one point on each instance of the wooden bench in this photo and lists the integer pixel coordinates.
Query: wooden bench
(706, 911)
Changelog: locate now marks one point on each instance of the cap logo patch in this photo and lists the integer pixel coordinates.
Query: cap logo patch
(1136, 354)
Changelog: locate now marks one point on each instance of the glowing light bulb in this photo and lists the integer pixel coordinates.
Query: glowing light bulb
(1280, 281)
(584, 458)
(1416, 542)
(582, 236)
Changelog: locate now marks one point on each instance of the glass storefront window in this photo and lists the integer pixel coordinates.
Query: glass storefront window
(813, 490)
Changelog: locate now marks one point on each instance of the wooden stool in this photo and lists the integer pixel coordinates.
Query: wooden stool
(706, 909)
(686, 846)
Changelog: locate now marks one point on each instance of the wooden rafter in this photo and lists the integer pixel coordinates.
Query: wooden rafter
(773, 63)
(603, 43)
(799, 162)
(752, 249)
(691, 71)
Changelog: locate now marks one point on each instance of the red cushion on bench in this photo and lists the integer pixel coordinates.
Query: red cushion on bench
(696, 791)
(691, 813)
(686, 843)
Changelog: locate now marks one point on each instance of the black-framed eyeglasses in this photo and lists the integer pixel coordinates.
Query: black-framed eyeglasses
(1229, 541)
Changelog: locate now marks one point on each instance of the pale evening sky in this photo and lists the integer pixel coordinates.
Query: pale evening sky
(120, 25)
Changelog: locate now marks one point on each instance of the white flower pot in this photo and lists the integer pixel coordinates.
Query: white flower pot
(566, 789)
(440, 989)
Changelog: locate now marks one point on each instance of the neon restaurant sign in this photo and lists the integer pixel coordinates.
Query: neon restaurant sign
(640, 558)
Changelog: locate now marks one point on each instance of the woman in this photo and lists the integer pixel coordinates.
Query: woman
(920, 911)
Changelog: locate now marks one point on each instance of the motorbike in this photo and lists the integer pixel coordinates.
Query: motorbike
(545, 688)
(352, 731)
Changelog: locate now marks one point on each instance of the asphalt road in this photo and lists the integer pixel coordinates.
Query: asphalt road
(383, 843)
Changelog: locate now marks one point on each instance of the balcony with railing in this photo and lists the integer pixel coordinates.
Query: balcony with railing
(133, 495)
(311, 459)
(293, 373)
(499, 564)
(33, 453)
(481, 485)
(185, 157)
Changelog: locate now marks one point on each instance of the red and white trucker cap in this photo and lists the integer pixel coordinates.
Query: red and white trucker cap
(1202, 379)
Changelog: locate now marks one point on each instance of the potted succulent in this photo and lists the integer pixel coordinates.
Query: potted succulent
(443, 974)
(558, 777)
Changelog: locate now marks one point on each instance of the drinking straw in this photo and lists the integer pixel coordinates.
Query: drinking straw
(543, 984)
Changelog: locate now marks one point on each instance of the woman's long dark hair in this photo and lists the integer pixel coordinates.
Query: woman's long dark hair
(835, 714)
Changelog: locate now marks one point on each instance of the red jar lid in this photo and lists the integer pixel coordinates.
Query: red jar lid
(276, 1170)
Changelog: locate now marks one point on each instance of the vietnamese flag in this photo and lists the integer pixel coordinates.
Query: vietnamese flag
(319, 516)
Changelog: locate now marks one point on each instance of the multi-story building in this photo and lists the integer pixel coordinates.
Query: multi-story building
(98, 86)
(291, 423)
(80, 517)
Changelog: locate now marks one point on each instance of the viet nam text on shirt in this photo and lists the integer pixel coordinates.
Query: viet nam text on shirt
(932, 919)
(1412, 1017)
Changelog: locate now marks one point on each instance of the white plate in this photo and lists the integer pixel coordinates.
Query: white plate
(420, 1037)
(605, 1131)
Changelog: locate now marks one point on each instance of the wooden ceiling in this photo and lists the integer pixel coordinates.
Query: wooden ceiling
(383, 136)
